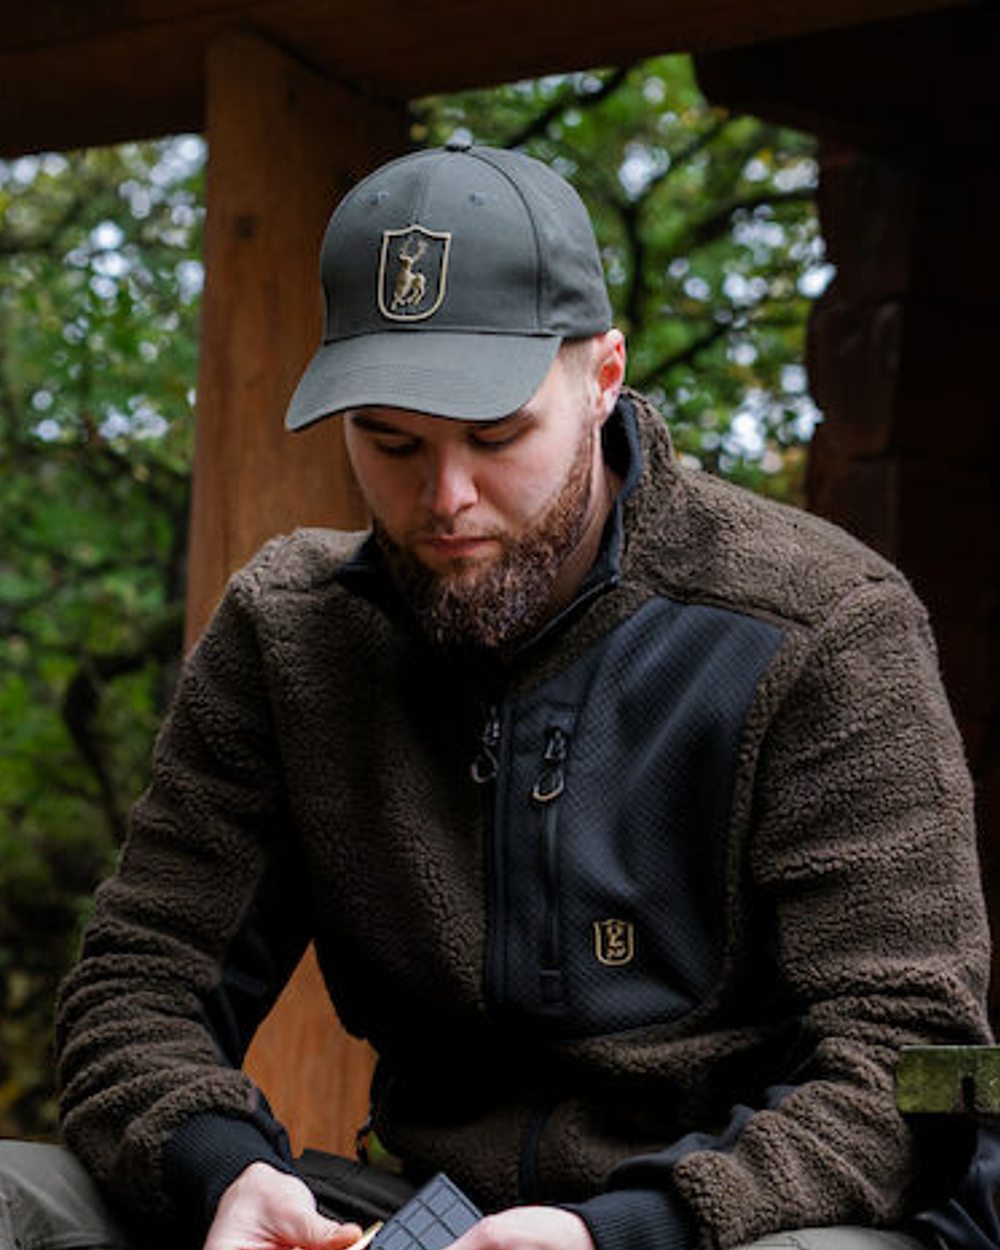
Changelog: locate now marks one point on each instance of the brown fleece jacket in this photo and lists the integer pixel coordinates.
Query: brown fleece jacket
(312, 781)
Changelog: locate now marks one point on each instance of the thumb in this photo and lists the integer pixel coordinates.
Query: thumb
(314, 1231)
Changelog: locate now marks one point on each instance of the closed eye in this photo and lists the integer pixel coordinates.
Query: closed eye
(397, 448)
(494, 443)
(503, 434)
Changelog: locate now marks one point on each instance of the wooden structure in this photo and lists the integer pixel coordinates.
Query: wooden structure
(300, 97)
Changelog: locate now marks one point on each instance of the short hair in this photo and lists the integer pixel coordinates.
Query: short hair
(577, 353)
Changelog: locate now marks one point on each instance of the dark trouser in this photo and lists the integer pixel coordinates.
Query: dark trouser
(48, 1202)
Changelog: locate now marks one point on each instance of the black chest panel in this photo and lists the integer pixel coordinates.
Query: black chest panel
(607, 849)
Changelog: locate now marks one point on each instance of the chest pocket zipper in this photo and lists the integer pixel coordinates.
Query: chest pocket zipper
(486, 765)
(547, 791)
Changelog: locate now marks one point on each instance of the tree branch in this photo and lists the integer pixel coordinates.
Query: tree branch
(715, 226)
(686, 356)
(161, 640)
(539, 125)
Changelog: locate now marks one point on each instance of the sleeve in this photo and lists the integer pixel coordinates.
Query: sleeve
(190, 943)
(862, 860)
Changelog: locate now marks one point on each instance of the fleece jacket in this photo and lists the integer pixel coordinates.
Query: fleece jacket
(635, 918)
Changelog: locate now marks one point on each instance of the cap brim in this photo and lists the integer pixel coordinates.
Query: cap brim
(467, 377)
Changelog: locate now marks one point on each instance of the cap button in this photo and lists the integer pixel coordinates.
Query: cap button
(458, 143)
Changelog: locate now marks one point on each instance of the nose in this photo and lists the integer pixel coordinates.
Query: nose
(449, 486)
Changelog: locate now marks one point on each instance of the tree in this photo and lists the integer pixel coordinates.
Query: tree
(709, 238)
(710, 243)
(99, 282)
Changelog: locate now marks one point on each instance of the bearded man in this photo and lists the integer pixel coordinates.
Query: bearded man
(625, 809)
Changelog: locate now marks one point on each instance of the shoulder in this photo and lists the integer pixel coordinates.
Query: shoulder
(306, 560)
(285, 597)
(700, 537)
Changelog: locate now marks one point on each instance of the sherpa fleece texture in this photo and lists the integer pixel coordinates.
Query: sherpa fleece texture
(312, 781)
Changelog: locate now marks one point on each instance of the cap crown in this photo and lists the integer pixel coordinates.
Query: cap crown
(474, 240)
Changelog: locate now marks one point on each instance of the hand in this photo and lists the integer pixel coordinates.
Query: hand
(264, 1209)
(527, 1228)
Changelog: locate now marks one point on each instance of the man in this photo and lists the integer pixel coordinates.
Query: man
(625, 809)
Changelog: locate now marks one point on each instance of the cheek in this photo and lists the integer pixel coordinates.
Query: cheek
(380, 481)
(520, 493)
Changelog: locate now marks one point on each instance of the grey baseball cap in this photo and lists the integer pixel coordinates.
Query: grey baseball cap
(451, 276)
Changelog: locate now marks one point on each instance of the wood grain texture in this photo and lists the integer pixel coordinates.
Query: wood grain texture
(100, 73)
(283, 147)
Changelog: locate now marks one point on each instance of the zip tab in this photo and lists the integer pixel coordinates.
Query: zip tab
(486, 765)
(549, 785)
(551, 780)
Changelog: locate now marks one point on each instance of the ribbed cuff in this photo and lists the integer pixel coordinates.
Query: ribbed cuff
(636, 1219)
(207, 1153)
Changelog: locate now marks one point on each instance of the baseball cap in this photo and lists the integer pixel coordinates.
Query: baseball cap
(450, 277)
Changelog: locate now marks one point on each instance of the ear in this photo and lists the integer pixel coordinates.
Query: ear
(609, 370)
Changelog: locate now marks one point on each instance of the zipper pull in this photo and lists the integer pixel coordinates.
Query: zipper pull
(552, 779)
(485, 766)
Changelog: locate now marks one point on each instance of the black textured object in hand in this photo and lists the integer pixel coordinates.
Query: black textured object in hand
(434, 1217)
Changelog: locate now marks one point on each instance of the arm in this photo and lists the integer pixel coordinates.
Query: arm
(861, 859)
(189, 945)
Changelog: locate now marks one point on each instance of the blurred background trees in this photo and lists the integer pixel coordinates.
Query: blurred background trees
(710, 243)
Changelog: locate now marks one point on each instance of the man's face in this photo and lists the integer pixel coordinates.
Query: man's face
(484, 524)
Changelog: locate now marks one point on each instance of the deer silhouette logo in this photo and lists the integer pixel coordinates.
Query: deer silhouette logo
(410, 285)
(413, 272)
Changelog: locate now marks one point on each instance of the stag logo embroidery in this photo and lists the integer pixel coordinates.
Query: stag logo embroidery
(614, 942)
(413, 273)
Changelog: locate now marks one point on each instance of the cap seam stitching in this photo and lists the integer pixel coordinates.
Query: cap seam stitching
(539, 260)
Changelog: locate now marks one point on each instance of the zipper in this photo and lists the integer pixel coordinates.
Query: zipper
(546, 791)
(485, 769)
(529, 1188)
(486, 765)
(545, 795)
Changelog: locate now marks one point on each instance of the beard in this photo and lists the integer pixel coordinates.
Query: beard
(505, 601)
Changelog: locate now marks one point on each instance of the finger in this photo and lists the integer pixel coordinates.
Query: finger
(315, 1232)
(330, 1235)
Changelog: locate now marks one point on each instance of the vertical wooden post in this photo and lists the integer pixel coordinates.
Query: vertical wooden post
(902, 345)
(284, 145)
(902, 360)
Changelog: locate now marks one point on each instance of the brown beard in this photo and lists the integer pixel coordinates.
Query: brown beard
(508, 599)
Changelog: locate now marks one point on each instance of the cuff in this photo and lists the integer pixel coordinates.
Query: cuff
(203, 1157)
(636, 1219)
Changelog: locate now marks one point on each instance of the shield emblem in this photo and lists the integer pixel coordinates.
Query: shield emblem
(614, 942)
(412, 273)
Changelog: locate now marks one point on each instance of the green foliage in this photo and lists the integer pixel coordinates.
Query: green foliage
(99, 282)
(709, 238)
(708, 232)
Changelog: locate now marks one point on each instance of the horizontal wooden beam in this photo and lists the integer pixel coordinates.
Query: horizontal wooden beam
(92, 74)
(874, 86)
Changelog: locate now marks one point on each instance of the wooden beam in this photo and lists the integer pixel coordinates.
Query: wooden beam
(866, 85)
(284, 145)
(89, 74)
(902, 345)
(46, 23)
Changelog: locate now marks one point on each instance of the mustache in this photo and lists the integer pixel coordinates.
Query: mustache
(448, 529)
